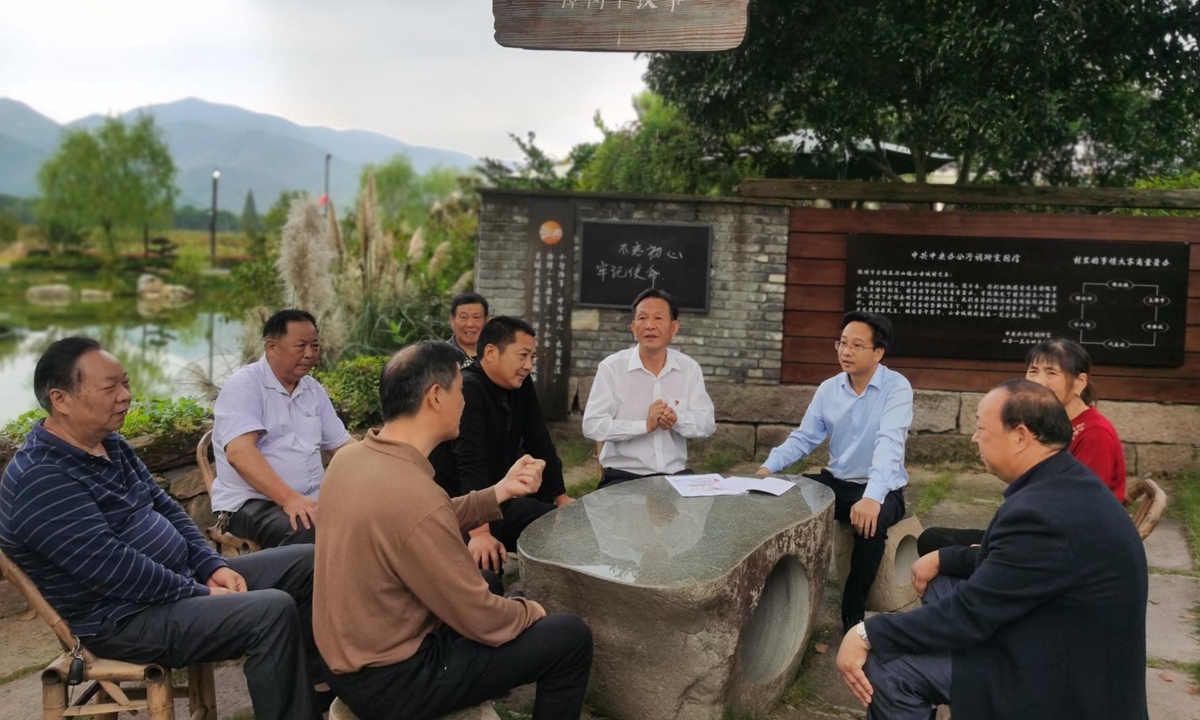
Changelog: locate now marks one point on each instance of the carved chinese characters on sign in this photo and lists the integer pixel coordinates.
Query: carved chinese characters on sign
(547, 305)
(992, 298)
(621, 25)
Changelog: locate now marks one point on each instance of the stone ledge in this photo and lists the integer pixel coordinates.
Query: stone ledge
(966, 413)
(940, 450)
(1155, 459)
(1138, 422)
(735, 402)
(739, 439)
(935, 411)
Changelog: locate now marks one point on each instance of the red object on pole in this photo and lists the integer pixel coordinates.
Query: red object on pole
(324, 199)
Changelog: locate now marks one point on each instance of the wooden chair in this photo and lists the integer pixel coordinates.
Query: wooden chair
(225, 542)
(155, 691)
(1147, 501)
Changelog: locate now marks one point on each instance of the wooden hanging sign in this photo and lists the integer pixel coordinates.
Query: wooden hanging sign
(621, 25)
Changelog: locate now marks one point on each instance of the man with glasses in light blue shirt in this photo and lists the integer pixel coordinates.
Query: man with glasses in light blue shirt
(865, 411)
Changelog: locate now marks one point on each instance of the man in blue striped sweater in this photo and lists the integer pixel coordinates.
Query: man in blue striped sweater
(123, 563)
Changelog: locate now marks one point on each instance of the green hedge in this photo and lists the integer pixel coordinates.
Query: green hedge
(353, 386)
(147, 416)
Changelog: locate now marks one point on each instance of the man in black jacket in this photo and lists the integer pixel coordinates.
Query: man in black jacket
(501, 422)
(1049, 618)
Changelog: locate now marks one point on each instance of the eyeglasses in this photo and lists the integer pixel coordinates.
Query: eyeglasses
(839, 346)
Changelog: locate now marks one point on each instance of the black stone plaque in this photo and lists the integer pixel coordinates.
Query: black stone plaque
(548, 299)
(621, 259)
(991, 298)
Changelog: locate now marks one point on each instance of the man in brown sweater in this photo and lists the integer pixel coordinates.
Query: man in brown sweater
(401, 615)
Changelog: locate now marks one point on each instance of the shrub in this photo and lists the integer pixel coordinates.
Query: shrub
(353, 387)
(147, 416)
(9, 228)
(255, 283)
(70, 262)
(188, 268)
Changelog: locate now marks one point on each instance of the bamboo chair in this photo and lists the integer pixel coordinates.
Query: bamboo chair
(221, 539)
(155, 691)
(1148, 501)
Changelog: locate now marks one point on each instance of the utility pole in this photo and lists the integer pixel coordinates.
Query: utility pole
(212, 221)
(328, 157)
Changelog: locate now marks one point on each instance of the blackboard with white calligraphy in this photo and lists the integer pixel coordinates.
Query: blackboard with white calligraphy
(992, 298)
(621, 259)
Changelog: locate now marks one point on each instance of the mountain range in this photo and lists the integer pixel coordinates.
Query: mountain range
(253, 151)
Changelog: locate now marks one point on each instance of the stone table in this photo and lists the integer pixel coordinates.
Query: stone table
(695, 604)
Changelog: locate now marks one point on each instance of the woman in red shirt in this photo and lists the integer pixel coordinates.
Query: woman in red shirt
(1063, 367)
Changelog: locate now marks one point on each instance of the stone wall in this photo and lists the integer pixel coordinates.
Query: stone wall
(1158, 438)
(739, 339)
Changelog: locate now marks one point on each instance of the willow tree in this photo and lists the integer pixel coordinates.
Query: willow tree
(118, 177)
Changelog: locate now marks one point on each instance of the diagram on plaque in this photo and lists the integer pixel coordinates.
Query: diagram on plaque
(1119, 333)
(992, 298)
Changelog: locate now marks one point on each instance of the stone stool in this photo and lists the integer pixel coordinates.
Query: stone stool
(696, 604)
(341, 711)
(893, 588)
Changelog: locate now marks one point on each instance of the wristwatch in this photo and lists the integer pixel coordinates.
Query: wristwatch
(861, 630)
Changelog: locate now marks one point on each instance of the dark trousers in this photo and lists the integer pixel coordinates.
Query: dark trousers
(867, 552)
(449, 672)
(910, 687)
(271, 625)
(518, 513)
(937, 538)
(267, 524)
(613, 476)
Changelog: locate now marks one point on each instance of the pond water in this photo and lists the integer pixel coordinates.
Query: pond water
(156, 345)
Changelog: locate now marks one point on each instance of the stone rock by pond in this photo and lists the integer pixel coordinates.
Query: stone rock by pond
(695, 604)
(50, 294)
(150, 285)
(179, 293)
(91, 295)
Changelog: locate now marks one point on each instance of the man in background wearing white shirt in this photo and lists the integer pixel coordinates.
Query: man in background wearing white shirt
(647, 400)
(271, 424)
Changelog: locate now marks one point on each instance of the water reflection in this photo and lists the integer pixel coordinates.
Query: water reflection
(641, 532)
(644, 533)
(155, 344)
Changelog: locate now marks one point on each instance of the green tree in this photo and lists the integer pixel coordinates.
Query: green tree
(250, 220)
(403, 195)
(539, 170)
(277, 215)
(119, 177)
(1101, 91)
(9, 227)
(660, 152)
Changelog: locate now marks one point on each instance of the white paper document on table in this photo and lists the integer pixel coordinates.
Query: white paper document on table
(712, 484)
(769, 485)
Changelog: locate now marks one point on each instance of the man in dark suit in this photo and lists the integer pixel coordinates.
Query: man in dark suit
(1049, 618)
(502, 420)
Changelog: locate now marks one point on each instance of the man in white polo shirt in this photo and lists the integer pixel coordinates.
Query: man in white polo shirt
(646, 401)
(272, 422)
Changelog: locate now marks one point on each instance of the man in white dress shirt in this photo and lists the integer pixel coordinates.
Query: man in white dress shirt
(646, 401)
(271, 424)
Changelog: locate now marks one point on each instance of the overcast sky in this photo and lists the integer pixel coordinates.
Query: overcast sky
(424, 71)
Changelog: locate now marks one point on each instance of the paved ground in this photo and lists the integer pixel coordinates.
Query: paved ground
(1173, 644)
(1172, 640)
